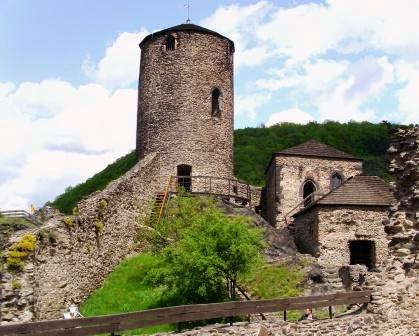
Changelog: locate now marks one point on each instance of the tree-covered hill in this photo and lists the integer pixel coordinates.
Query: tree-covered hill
(253, 148)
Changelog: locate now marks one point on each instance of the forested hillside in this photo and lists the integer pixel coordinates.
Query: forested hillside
(253, 148)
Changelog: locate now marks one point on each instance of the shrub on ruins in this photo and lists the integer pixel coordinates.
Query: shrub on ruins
(203, 249)
(19, 252)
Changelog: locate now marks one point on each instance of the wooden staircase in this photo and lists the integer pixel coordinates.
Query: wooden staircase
(158, 207)
(160, 202)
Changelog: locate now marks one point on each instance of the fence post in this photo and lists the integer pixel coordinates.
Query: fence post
(285, 315)
(330, 312)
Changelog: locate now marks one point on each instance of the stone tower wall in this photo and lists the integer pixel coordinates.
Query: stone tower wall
(175, 100)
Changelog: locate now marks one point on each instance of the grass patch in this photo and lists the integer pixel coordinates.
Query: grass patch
(124, 291)
(274, 281)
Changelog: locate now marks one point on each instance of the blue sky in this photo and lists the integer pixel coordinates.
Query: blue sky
(69, 72)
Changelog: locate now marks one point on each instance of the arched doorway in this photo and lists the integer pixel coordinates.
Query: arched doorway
(184, 173)
(309, 188)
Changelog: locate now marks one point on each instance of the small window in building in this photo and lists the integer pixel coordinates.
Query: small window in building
(215, 106)
(170, 43)
(308, 190)
(336, 180)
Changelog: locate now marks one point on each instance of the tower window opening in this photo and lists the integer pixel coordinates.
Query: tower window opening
(336, 180)
(215, 109)
(309, 189)
(170, 43)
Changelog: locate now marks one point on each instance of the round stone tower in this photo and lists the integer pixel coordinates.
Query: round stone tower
(185, 101)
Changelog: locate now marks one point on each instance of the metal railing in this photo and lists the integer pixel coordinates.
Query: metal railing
(237, 190)
(21, 214)
(303, 204)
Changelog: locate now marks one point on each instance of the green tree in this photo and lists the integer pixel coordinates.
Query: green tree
(207, 250)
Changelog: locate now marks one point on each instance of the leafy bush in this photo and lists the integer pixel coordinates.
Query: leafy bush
(206, 249)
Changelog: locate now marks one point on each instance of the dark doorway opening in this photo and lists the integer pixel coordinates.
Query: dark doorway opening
(308, 189)
(362, 252)
(184, 173)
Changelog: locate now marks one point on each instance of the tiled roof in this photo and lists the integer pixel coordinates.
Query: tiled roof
(184, 27)
(315, 148)
(360, 190)
(357, 190)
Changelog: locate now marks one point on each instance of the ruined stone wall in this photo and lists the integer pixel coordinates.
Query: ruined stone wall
(174, 103)
(71, 261)
(397, 286)
(294, 171)
(305, 232)
(403, 228)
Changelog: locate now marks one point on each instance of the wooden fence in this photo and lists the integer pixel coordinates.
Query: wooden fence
(120, 322)
(21, 214)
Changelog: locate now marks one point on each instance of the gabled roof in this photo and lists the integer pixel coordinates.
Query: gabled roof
(184, 27)
(316, 148)
(357, 190)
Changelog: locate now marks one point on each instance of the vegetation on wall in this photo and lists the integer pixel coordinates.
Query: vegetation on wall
(20, 251)
(253, 148)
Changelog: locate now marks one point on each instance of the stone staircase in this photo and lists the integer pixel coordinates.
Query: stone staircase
(332, 279)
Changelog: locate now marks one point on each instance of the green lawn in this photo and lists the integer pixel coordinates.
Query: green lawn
(123, 291)
(274, 281)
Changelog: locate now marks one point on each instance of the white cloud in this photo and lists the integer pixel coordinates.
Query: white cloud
(239, 23)
(247, 105)
(408, 104)
(119, 67)
(337, 56)
(294, 115)
(58, 134)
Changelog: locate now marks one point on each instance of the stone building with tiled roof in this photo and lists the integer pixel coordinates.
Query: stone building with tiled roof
(346, 226)
(298, 172)
(334, 212)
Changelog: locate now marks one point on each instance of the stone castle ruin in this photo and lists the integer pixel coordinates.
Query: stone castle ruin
(362, 234)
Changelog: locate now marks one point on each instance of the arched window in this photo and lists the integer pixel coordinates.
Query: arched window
(170, 43)
(215, 102)
(309, 188)
(336, 180)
